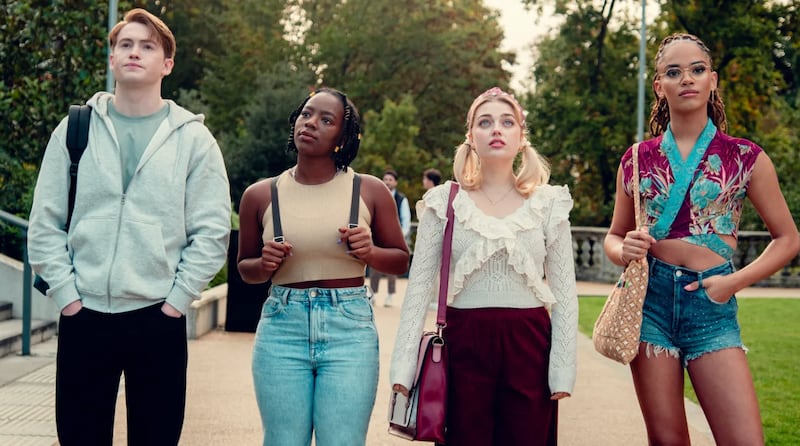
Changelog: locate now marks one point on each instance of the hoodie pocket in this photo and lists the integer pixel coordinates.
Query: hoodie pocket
(140, 268)
(91, 244)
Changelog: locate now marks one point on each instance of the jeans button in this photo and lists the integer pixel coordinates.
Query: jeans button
(313, 293)
(678, 273)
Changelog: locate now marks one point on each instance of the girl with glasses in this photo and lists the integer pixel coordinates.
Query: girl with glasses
(694, 178)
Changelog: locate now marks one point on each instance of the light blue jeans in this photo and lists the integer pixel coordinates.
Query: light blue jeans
(315, 366)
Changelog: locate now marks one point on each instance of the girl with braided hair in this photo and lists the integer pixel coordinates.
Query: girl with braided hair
(694, 178)
(315, 358)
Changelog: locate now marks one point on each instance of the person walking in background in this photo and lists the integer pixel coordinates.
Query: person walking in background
(149, 230)
(694, 178)
(431, 178)
(510, 359)
(404, 212)
(315, 358)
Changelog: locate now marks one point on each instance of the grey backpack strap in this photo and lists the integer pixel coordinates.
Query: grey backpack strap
(276, 214)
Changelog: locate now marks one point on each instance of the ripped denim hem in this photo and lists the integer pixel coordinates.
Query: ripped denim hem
(697, 355)
(653, 350)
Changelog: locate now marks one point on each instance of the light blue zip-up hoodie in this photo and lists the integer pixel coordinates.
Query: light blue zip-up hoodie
(165, 237)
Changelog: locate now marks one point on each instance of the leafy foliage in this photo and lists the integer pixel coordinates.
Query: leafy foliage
(53, 55)
(440, 53)
(582, 113)
(259, 151)
(251, 47)
(390, 144)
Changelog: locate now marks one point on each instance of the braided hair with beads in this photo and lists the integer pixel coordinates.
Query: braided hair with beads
(347, 147)
(659, 113)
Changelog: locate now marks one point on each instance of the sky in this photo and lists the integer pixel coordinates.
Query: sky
(521, 29)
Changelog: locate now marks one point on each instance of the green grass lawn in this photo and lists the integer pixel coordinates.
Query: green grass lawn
(771, 331)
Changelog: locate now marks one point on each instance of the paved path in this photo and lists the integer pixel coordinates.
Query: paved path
(221, 409)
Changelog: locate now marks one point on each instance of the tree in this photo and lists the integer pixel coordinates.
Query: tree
(440, 53)
(582, 112)
(53, 55)
(389, 143)
(259, 151)
(253, 47)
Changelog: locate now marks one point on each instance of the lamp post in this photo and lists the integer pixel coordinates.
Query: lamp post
(112, 20)
(640, 99)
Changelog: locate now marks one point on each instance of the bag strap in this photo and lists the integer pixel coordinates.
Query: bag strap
(77, 139)
(637, 205)
(276, 215)
(444, 272)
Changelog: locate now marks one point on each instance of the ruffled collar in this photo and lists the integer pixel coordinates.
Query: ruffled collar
(529, 215)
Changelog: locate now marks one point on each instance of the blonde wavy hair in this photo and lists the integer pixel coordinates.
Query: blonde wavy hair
(534, 169)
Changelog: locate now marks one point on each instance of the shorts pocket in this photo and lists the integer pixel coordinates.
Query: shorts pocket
(704, 293)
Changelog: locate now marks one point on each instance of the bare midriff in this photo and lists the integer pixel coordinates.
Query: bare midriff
(680, 253)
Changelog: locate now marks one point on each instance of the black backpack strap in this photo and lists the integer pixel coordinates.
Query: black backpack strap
(354, 200)
(276, 214)
(77, 139)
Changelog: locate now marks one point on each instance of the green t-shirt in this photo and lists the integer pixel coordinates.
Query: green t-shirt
(134, 134)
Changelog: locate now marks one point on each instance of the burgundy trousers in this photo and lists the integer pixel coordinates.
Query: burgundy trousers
(498, 385)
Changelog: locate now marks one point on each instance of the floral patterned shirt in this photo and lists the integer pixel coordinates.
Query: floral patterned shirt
(713, 204)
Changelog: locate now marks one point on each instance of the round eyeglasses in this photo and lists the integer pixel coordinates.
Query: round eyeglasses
(697, 72)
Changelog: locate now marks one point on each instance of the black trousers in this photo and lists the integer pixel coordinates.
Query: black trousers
(94, 350)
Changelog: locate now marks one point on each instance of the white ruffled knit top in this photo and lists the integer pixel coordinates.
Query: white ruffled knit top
(496, 262)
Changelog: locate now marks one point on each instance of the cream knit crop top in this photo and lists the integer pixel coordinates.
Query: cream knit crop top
(310, 218)
(495, 263)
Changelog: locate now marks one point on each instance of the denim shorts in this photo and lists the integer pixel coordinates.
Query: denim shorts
(687, 324)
